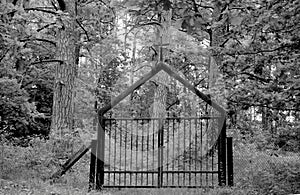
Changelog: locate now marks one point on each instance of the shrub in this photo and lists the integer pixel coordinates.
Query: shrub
(266, 172)
(19, 117)
(280, 176)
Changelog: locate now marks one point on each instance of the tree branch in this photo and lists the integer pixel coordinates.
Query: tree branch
(2, 57)
(260, 51)
(46, 26)
(41, 10)
(173, 103)
(201, 5)
(150, 23)
(108, 6)
(47, 61)
(256, 77)
(38, 39)
(177, 101)
(265, 106)
(195, 6)
(141, 25)
(85, 32)
(198, 83)
(142, 67)
(206, 6)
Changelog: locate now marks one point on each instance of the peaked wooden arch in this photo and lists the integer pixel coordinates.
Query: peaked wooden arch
(160, 66)
(156, 69)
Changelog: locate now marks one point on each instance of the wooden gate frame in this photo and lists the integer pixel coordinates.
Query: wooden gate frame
(98, 176)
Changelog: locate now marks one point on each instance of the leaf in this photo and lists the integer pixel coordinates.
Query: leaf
(132, 5)
(167, 5)
(265, 28)
(218, 23)
(192, 21)
(200, 22)
(133, 8)
(177, 24)
(25, 50)
(236, 21)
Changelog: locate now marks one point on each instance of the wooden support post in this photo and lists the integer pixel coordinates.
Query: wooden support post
(222, 152)
(100, 153)
(93, 165)
(230, 161)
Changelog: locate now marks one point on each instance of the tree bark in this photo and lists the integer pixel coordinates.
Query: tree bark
(65, 73)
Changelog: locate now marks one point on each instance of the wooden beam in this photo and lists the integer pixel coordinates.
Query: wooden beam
(168, 69)
(72, 160)
(100, 153)
(201, 95)
(124, 94)
(93, 165)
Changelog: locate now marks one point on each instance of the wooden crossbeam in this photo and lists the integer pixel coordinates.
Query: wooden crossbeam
(69, 163)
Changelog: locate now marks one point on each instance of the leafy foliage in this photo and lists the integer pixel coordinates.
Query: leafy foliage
(26, 84)
(255, 45)
(15, 109)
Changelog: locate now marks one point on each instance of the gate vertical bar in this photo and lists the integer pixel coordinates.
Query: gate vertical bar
(93, 165)
(222, 151)
(100, 153)
(230, 161)
(125, 168)
(109, 148)
(120, 149)
(160, 153)
(142, 164)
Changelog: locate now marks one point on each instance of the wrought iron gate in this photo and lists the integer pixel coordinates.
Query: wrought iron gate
(151, 153)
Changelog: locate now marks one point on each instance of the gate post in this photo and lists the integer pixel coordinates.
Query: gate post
(222, 152)
(160, 152)
(100, 153)
(93, 165)
(230, 161)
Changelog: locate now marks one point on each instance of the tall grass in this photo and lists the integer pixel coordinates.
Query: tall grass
(26, 170)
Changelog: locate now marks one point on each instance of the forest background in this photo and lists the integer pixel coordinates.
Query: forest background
(57, 58)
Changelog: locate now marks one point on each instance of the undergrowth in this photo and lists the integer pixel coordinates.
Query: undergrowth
(26, 170)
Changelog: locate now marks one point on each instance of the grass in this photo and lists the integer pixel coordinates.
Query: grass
(36, 187)
(25, 171)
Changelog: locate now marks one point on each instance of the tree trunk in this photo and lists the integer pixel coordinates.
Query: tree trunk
(65, 73)
(133, 63)
(217, 38)
(161, 79)
(160, 98)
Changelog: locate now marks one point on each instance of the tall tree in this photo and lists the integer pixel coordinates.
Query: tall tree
(65, 71)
